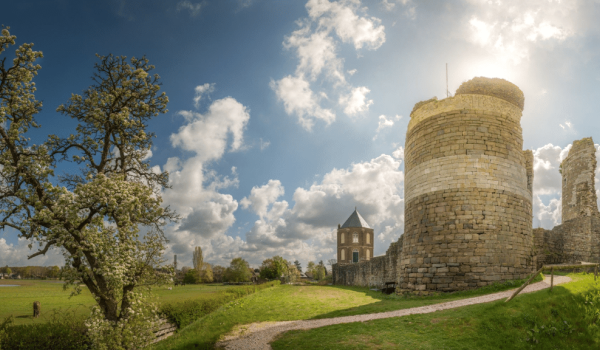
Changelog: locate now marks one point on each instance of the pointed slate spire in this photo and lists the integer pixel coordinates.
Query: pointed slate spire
(355, 220)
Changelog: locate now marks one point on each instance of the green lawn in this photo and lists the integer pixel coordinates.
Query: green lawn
(553, 319)
(18, 301)
(289, 302)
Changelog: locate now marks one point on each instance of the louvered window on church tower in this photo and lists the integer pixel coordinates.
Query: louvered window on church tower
(355, 237)
(367, 253)
(368, 238)
(343, 254)
(342, 238)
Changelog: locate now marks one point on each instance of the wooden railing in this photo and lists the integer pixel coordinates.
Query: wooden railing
(552, 268)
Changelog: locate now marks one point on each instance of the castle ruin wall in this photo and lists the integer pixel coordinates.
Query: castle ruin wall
(468, 204)
(578, 189)
(372, 273)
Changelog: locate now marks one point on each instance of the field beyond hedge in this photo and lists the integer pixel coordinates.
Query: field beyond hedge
(18, 301)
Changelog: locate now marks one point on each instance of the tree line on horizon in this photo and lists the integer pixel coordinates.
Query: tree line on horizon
(239, 270)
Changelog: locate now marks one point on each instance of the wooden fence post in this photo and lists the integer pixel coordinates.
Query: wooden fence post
(551, 278)
(37, 307)
(524, 285)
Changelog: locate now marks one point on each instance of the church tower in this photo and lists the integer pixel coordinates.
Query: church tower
(354, 240)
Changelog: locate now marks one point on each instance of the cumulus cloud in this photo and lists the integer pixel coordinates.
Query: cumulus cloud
(547, 184)
(261, 197)
(315, 44)
(207, 134)
(187, 5)
(195, 194)
(299, 99)
(383, 123)
(356, 101)
(202, 90)
(375, 187)
(399, 153)
(510, 28)
(16, 254)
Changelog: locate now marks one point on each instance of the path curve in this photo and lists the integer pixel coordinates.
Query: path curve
(259, 335)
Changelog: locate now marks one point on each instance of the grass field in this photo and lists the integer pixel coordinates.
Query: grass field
(288, 302)
(541, 320)
(18, 301)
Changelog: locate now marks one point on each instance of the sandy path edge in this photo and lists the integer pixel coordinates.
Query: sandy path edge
(259, 335)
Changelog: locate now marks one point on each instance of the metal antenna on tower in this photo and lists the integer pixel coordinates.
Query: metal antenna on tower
(447, 92)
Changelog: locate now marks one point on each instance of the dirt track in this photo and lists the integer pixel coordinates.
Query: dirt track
(259, 335)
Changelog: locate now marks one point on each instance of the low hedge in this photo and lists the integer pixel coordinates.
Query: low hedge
(62, 332)
(185, 312)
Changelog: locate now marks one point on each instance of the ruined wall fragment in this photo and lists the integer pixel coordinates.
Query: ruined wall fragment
(578, 190)
(468, 190)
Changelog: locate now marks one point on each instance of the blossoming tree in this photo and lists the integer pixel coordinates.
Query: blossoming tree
(107, 217)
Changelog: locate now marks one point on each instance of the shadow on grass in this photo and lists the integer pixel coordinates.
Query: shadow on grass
(539, 320)
(399, 302)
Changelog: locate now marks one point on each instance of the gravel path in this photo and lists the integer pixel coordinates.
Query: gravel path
(259, 335)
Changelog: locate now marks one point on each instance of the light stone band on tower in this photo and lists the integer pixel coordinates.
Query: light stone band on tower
(468, 204)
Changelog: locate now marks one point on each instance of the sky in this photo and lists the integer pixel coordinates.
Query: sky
(285, 115)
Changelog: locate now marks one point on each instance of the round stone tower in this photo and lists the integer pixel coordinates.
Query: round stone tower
(354, 240)
(467, 190)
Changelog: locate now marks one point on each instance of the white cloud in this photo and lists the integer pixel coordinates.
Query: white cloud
(384, 123)
(510, 28)
(195, 194)
(546, 216)
(568, 126)
(341, 17)
(264, 144)
(16, 254)
(316, 46)
(399, 153)
(410, 9)
(375, 187)
(206, 134)
(546, 164)
(261, 197)
(201, 90)
(356, 101)
(187, 5)
(299, 99)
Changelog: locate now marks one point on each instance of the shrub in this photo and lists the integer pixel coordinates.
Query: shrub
(185, 312)
(132, 331)
(191, 277)
(64, 331)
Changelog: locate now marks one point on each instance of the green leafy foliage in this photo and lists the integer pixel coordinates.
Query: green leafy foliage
(191, 277)
(185, 312)
(64, 331)
(238, 271)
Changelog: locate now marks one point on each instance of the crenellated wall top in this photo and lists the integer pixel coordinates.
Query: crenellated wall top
(474, 103)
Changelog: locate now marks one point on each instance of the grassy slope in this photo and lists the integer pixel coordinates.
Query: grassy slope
(496, 325)
(285, 303)
(18, 301)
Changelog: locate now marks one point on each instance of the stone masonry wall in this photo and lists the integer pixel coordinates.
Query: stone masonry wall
(573, 241)
(468, 204)
(578, 192)
(372, 273)
(349, 246)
